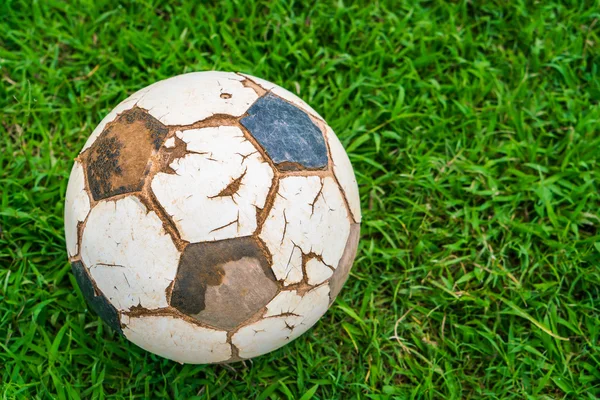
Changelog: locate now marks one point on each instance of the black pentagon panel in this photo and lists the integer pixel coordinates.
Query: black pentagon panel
(223, 283)
(98, 303)
(287, 134)
(119, 159)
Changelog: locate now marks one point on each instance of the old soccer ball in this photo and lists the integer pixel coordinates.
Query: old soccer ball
(212, 217)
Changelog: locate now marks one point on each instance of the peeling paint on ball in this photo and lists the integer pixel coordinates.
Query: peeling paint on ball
(212, 217)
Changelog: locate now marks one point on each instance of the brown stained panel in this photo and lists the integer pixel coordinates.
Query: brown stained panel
(223, 283)
(119, 159)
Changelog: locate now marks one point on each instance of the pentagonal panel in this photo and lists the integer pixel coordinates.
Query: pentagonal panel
(176, 339)
(287, 134)
(96, 300)
(214, 190)
(128, 254)
(77, 207)
(308, 220)
(188, 98)
(288, 316)
(223, 283)
(344, 173)
(119, 160)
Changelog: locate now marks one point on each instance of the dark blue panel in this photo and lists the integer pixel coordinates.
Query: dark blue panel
(98, 303)
(286, 133)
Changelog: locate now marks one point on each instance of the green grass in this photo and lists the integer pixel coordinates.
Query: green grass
(474, 130)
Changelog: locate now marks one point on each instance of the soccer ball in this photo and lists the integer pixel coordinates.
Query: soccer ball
(212, 217)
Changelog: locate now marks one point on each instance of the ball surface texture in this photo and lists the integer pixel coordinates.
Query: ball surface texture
(212, 217)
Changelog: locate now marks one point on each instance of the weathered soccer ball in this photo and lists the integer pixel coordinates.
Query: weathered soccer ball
(212, 217)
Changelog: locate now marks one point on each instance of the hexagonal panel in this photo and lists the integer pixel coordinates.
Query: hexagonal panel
(214, 189)
(308, 220)
(128, 254)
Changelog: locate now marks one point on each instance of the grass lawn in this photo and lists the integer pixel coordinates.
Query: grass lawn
(474, 130)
